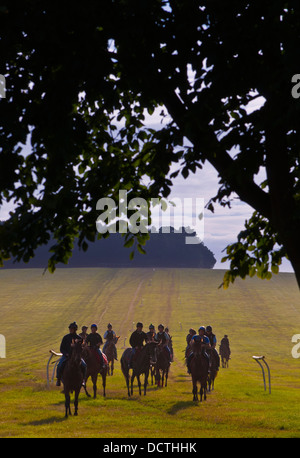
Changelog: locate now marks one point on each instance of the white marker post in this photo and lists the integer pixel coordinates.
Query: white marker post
(53, 354)
(262, 358)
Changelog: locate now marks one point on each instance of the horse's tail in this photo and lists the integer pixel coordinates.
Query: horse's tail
(124, 361)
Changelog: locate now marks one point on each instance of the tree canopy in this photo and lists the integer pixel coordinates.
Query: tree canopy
(80, 78)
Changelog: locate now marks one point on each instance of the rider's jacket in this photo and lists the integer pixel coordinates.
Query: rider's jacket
(94, 339)
(137, 338)
(198, 338)
(150, 336)
(162, 337)
(65, 346)
(109, 335)
(212, 339)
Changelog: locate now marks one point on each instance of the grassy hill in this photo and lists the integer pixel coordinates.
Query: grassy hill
(260, 317)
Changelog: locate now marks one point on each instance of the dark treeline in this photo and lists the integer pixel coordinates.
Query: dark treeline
(163, 249)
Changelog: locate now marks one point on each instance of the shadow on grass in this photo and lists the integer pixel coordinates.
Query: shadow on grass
(45, 421)
(181, 405)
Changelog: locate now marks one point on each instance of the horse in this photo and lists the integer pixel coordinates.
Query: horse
(162, 366)
(199, 370)
(140, 365)
(213, 369)
(94, 367)
(72, 377)
(109, 351)
(225, 354)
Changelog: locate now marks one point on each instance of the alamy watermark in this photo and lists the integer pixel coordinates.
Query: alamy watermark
(134, 215)
(2, 87)
(296, 348)
(296, 89)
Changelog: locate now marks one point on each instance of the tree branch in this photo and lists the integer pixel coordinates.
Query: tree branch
(239, 182)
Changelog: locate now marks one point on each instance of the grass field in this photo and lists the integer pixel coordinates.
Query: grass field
(260, 318)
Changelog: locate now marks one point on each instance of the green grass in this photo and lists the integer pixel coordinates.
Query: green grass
(260, 317)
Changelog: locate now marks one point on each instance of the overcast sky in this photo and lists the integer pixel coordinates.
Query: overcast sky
(222, 226)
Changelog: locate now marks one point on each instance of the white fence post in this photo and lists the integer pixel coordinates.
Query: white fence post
(262, 358)
(53, 353)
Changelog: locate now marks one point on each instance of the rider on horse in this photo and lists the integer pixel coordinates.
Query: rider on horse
(94, 340)
(225, 343)
(83, 333)
(66, 350)
(137, 338)
(200, 337)
(151, 334)
(163, 339)
(109, 336)
(170, 345)
(191, 333)
(213, 343)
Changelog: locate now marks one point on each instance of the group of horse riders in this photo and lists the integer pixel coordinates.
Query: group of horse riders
(138, 337)
(94, 340)
(208, 340)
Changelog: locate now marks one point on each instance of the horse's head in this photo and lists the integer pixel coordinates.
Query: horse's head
(196, 346)
(151, 348)
(76, 346)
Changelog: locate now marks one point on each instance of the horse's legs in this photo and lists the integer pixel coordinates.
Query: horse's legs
(104, 383)
(127, 383)
(67, 404)
(139, 384)
(157, 377)
(126, 374)
(203, 391)
(195, 397)
(94, 380)
(112, 368)
(167, 373)
(146, 382)
(85, 389)
(76, 401)
(132, 379)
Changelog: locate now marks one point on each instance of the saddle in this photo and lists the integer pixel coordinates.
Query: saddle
(104, 359)
(96, 354)
(132, 357)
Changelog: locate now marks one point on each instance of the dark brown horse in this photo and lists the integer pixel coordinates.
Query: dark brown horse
(110, 351)
(199, 370)
(224, 351)
(94, 367)
(72, 377)
(140, 365)
(162, 366)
